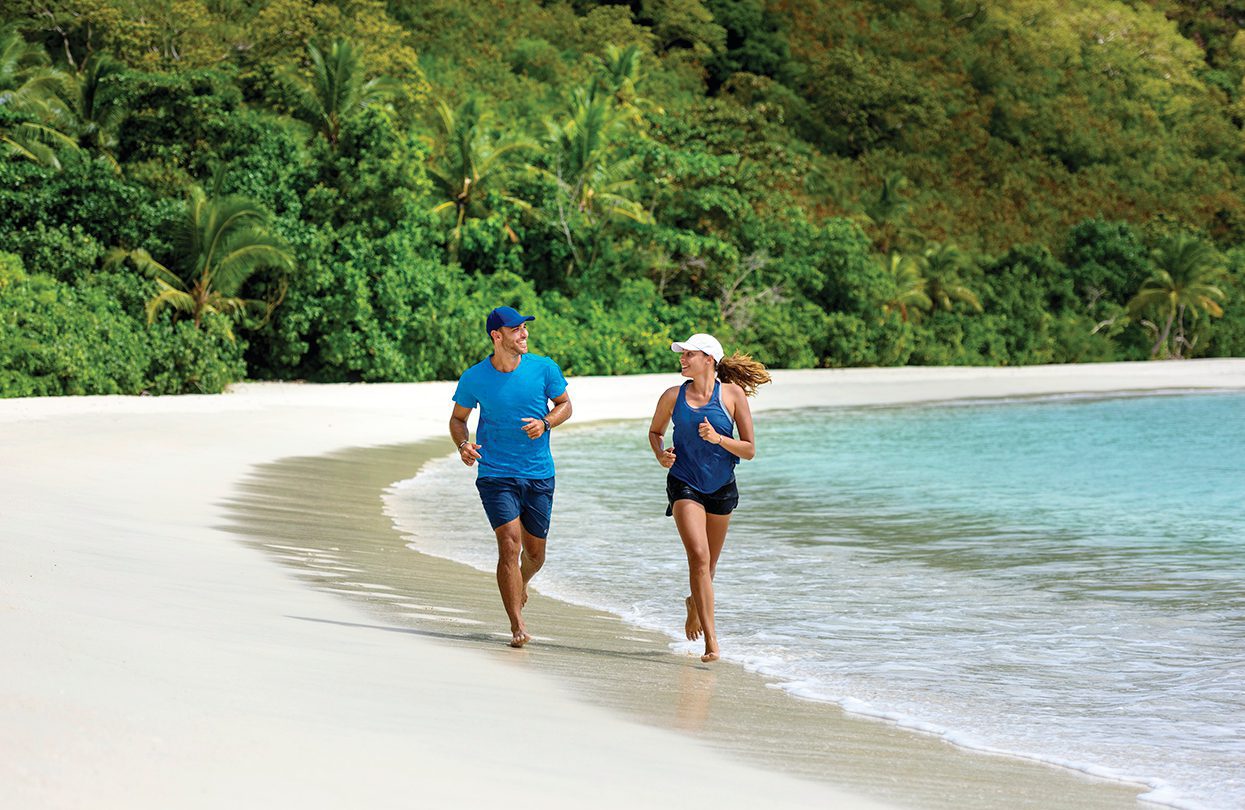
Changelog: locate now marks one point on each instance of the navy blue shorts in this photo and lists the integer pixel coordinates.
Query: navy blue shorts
(721, 502)
(530, 499)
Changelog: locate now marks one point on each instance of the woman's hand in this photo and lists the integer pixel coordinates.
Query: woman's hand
(666, 458)
(708, 433)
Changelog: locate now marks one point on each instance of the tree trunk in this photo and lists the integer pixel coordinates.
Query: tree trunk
(1180, 342)
(1167, 328)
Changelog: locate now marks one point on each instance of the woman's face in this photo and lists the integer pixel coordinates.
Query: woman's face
(692, 362)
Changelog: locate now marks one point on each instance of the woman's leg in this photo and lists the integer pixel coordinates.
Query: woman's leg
(715, 529)
(690, 518)
(715, 532)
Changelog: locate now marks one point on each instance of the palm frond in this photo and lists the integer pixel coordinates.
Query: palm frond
(145, 264)
(247, 252)
(36, 152)
(219, 244)
(225, 216)
(179, 300)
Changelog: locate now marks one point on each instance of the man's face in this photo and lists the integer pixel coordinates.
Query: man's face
(512, 339)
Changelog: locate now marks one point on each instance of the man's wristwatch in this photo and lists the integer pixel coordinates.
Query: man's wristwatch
(548, 427)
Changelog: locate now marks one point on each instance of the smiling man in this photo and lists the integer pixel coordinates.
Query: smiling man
(513, 390)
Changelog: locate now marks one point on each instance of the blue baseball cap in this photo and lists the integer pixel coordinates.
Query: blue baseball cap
(506, 316)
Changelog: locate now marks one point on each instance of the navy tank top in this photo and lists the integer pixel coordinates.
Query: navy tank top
(705, 466)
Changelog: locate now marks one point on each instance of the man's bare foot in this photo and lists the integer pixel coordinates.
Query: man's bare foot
(692, 625)
(518, 638)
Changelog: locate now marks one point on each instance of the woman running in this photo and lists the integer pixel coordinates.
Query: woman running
(700, 487)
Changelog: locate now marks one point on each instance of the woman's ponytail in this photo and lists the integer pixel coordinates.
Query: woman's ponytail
(742, 370)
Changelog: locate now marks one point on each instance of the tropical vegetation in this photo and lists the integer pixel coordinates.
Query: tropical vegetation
(198, 192)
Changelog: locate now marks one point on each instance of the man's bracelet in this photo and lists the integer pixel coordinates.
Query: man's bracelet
(464, 441)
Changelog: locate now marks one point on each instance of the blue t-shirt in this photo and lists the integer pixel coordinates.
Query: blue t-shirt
(504, 399)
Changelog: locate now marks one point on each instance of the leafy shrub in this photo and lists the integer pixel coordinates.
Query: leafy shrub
(65, 252)
(86, 197)
(59, 340)
(786, 335)
(186, 360)
(1107, 259)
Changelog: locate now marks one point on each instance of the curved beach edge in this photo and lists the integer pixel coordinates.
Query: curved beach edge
(151, 659)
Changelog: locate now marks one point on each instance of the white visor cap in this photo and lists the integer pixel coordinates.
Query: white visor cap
(700, 342)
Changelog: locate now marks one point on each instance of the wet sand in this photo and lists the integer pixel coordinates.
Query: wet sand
(321, 518)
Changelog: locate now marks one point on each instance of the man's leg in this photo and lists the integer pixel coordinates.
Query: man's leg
(536, 510)
(510, 579)
(531, 559)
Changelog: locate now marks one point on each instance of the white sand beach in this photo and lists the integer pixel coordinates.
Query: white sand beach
(153, 660)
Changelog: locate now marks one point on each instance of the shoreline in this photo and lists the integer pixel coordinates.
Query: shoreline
(631, 670)
(157, 661)
(1151, 789)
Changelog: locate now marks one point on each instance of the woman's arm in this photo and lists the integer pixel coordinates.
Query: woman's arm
(657, 429)
(745, 445)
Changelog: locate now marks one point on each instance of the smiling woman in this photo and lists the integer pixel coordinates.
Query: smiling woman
(701, 487)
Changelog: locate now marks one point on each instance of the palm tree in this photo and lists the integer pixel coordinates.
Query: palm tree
(618, 73)
(467, 162)
(29, 87)
(336, 89)
(218, 246)
(909, 285)
(96, 105)
(1182, 284)
(941, 265)
(889, 211)
(595, 178)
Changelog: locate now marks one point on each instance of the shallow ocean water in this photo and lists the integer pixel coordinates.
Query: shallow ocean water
(1061, 579)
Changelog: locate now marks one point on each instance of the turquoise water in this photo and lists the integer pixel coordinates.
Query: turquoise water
(1060, 579)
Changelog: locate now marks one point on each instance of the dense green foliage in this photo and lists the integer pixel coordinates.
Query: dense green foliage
(339, 190)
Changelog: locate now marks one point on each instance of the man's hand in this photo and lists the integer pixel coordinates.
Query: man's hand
(468, 453)
(666, 458)
(534, 428)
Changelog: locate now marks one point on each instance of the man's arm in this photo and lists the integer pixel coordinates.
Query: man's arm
(561, 410)
(467, 450)
(535, 428)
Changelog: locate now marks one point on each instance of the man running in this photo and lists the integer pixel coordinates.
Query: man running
(513, 390)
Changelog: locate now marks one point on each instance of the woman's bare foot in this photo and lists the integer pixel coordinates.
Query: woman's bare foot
(711, 650)
(519, 637)
(692, 625)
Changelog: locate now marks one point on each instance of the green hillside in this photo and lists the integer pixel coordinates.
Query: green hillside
(197, 191)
